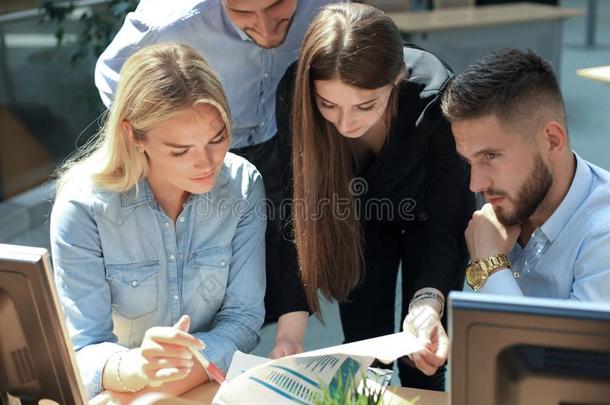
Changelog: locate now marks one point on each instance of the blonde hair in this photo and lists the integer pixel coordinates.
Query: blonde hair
(155, 82)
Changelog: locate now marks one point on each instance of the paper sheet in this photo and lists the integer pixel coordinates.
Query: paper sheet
(299, 378)
(242, 362)
(292, 379)
(384, 348)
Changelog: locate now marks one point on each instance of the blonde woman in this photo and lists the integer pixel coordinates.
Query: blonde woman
(155, 221)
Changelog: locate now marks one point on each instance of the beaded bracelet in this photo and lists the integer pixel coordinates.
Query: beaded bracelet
(429, 294)
(120, 380)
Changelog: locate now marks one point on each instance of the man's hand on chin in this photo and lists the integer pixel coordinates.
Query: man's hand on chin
(486, 236)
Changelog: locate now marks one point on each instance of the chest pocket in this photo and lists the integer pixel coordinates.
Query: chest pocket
(212, 271)
(134, 288)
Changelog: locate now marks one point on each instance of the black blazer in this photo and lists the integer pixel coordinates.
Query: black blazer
(418, 170)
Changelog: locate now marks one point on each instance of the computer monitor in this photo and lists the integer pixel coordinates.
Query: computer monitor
(522, 350)
(36, 356)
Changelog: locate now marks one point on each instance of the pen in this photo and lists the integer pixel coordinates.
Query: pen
(208, 366)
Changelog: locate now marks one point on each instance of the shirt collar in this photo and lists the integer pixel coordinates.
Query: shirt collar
(142, 193)
(138, 194)
(577, 193)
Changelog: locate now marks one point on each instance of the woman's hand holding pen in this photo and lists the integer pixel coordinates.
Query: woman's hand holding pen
(165, 352)
(164, 355)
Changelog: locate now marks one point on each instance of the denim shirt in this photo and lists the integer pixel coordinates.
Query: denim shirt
(122, 266)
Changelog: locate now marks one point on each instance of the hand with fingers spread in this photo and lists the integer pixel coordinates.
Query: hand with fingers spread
(424, 322)
(163, 356)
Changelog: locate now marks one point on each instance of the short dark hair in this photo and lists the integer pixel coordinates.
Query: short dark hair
(512, 84)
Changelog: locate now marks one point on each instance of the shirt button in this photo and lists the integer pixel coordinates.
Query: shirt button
(222, 263)
(266, 75)
(181, 219)
(516, 274)
(176, 297)
(134, 283)
(167, 224)
(172, 257)
(403, 231)
(262, 123)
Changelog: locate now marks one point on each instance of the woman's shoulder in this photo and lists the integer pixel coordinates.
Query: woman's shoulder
(82, 191)
(426, 70)
(238, 177)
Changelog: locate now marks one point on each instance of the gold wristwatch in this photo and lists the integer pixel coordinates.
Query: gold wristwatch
(478, 272)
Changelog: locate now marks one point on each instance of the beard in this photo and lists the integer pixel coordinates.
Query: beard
(529, 197)
(273, 43)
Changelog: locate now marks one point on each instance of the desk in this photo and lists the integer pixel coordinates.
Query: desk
(205, 392)
(461, 35)
(601, 73)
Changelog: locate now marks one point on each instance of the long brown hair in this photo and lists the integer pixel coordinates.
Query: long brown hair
(361, 46)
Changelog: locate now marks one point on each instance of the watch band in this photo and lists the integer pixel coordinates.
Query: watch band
(479, 271)
(494, 263)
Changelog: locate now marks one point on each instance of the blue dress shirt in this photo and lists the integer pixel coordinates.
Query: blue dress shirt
(249, 74)
(569, 255)
(122, 266)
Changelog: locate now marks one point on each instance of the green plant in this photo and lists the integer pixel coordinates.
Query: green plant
(99, 23)
(348, 393)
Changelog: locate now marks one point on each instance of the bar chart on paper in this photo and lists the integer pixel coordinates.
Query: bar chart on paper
(295, 380)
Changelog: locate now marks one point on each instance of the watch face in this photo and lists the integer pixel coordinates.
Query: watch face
(475, 276)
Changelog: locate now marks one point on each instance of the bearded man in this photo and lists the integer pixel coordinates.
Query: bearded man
(545, 229)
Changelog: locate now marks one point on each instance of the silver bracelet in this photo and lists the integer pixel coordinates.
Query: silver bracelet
(429, 294)
(120, 380)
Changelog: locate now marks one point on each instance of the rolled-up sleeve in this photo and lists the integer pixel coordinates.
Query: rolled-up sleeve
(242, 312)
(82, 288)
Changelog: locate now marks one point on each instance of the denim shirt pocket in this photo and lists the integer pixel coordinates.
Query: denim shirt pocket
(134, 288)
(212, 269)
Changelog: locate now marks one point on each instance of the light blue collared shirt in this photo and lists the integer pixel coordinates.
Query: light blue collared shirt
(569, 255)
(249, 74)
(123, 266)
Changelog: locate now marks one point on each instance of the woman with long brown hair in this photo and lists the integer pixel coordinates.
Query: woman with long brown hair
(377, 180)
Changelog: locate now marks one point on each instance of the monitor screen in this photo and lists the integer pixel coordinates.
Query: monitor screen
(36, 356)
(522, 350)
